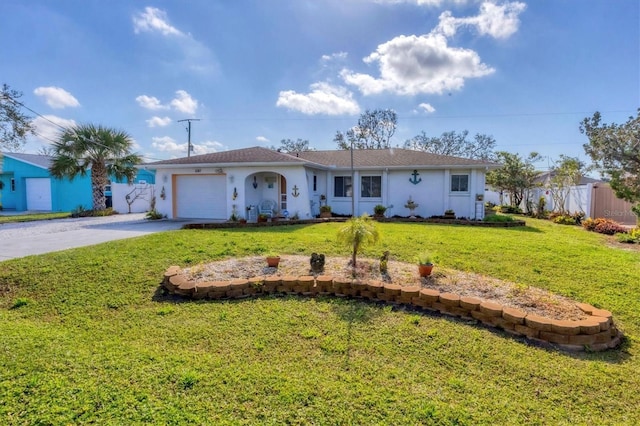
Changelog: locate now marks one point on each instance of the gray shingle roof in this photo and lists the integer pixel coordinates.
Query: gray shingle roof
(366, 158)
(393, 157)
(43, 161)
(245, 155)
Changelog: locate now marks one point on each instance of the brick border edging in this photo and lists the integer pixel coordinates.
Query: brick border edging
(596, 333)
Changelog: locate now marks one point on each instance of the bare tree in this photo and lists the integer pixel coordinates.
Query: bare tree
(14, 124)
(455, 144)
(373, 131)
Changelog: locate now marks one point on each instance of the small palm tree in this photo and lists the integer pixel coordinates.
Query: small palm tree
(104, 151)
(358, 232)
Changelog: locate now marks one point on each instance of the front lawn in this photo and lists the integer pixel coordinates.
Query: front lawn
(88, 337)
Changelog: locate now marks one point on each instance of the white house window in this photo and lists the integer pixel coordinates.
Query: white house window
(13, 185)
(459, 183)
(342, 186)
(371, 187)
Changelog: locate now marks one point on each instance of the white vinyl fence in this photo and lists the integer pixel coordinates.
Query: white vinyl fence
(134, 198)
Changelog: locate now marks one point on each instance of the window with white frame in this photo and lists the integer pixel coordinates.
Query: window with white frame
(370, 186)
(342, 186)
(459, 183)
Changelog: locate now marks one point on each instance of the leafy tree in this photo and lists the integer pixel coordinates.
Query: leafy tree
(615, 151)
(14, 125)
(455, 144)
(516, 176)
(104, 151)
(357, 233)
(289, 145)
(373, 131)
(564, 174)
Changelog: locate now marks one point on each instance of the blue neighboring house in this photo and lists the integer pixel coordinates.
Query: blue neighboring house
(27, 185)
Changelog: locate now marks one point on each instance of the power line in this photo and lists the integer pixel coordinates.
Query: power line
(189, 120)
(35, 112)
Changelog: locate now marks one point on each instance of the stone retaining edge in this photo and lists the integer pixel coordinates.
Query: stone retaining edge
(596, 333)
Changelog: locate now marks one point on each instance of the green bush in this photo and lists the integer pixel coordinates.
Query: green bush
(564, 220)
(626, 238)
(498, 218)
(510, 209)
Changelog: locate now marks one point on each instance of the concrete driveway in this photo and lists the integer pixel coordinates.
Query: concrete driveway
(27, 238)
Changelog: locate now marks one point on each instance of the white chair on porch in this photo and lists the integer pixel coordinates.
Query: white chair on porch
(267, 207)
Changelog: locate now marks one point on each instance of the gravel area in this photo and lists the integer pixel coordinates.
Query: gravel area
(529, 299)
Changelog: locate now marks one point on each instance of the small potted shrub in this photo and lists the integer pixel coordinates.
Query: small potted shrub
(273, 260)
(325, 211)
(262, 218)
(449, 214)
(379, 210)
(425, 264)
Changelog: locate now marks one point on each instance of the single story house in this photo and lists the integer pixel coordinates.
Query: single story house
(27, 185)
(243, 181)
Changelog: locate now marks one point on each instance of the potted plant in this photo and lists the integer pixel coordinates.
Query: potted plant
(325, 211)
(411, 205)
(378, 210)
(262, 217)
(449, 214)
(273, 260)
(425, 264)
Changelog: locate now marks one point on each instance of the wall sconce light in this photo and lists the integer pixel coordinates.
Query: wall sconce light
(165, 178)
(163, 194)
(231, 178)
(235, 193)
(255, 183)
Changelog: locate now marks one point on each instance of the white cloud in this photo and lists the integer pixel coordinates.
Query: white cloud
(324, 98)
(183, 102)
(339, 56)
(498, 21)
(47, 131)
(158, 121)
(430, 3)
(262, 139)
(150, 102)
(411, 65)
(427, 108)
(154, 20)
(207, 147)
(179, 49)
(57, 97)
(169, 145)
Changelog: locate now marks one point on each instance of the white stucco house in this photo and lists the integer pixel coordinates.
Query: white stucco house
(215, 186)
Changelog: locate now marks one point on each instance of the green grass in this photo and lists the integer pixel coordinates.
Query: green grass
(88, 337)
(32, 217)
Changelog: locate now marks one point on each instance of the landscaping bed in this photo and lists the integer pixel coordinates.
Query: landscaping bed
(539, 315)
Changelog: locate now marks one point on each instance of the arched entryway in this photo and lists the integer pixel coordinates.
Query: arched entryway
(262, 188)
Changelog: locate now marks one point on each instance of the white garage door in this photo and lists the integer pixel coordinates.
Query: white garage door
(201, 197)
(38, 194)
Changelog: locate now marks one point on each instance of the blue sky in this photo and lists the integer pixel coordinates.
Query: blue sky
(258, 71)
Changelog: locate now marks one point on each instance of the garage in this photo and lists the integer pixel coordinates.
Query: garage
(38, 194)
(200, 197)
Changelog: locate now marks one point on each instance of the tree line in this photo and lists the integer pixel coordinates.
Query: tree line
(613, 148)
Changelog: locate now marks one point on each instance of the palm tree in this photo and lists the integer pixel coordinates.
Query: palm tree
(103, 150)
(358, 232)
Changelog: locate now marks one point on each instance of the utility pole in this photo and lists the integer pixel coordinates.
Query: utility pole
(189, 120)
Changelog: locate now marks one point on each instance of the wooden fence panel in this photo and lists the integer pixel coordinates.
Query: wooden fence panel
(604, 203)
